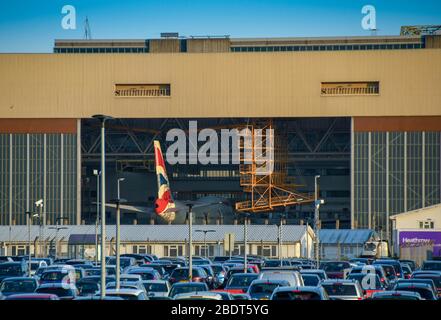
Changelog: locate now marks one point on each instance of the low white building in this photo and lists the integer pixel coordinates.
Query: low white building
(163, 240)
(418, 228)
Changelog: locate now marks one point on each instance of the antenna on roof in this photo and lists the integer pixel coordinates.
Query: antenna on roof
(87, 32)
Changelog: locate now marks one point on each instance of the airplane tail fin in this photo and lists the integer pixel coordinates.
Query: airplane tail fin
(164, 204)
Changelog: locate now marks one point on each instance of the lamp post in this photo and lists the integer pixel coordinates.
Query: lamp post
(118, 203)
(39, 204)
(317, 203)
(190, 241)
(97, 173)
(245, 242)
(205, 239)
(102, 119)
(29, 221)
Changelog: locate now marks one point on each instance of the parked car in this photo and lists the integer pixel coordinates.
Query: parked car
(127, 285)
(17, 285)
(13, 269)
(424, 289)
(32, 296)
(87, 287)
(299, 293)
(335, 269)
(407, 271)
(410, 263)
(431, 265)
(370, 283)
(157, 288)
(410, 281)
(127, 294)
(239, 282)
(263, 289)
(64, 292)
(396, 295)
(319, 272)
(343, 289)
(59, 274)
(36, 264)
(395, 263)
(158, 267)
(124, 262)
(435, 276)
(146, 273)
(182, 275)
(379, 271)
(186, 287)
(276, 263)
(294, 278)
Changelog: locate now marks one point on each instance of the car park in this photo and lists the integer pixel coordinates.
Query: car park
(299, 293)
(338, 289)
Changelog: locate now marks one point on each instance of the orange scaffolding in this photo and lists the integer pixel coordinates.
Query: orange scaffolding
(269, 189)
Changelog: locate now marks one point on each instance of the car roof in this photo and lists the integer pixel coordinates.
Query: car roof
(30, 295)
(19, 278)
(202, 294)
(260, 281)
(302, 289)
(155, 281)
(392, 292)
(56, 285)
(244, 274)
(194, 284)
(124, 291)
(414, 284)
(342, 281)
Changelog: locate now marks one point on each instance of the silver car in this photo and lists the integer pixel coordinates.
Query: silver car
(294, 278)
(157, 288)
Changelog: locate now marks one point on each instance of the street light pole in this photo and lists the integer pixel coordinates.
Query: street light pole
(103, 119)
(245, 242)
(97, 173)
(28, 215)
(190, 242)
(317, 203)
(118, 202)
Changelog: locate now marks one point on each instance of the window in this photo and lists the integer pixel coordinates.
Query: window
(142, 90)
(267, 250)
(142, 249)
(428, 224)
(350, 88)
(173, 251)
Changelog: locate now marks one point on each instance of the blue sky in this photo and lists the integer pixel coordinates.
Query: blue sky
(32, 26)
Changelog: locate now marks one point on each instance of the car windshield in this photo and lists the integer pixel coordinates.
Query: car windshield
(53, 276)
(263, 288)
(241, 281)
(123, 262)
(87, 287)
(217, 269)
(340, 289)
(6, 270)
(431, 266)
(155, 287)
(21, 286)
(296, 295)
(311, 280)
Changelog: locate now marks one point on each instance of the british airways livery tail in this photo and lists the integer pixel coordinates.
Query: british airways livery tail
(165, 207)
